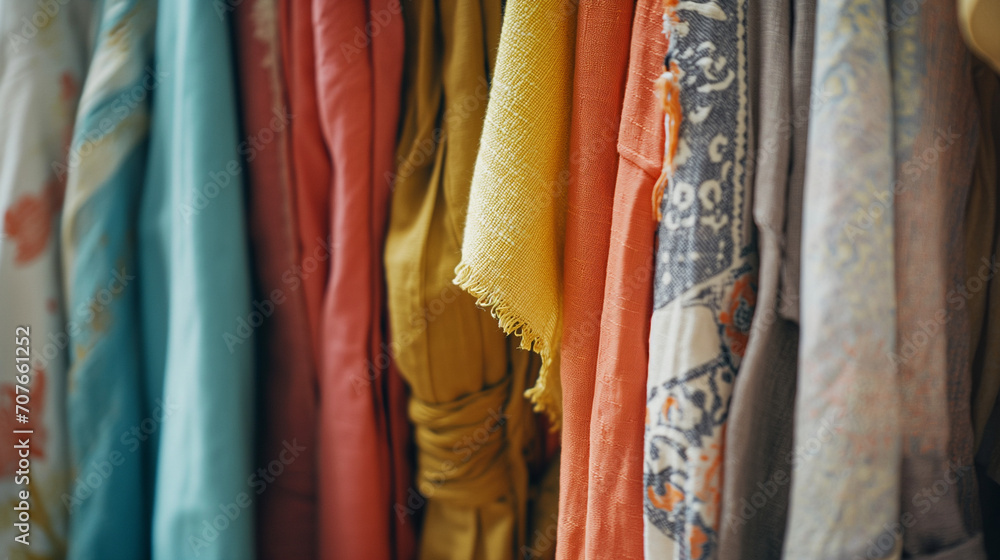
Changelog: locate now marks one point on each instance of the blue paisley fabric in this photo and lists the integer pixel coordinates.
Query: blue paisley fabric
(705, 282)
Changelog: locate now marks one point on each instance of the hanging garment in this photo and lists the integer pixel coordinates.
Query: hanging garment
(512, 252)
(601, 65)
(198, 320)
(113, 426)
(363, 427)
(982, 243)
(614, 503)
(286, 365)
(471, 424)
(979, 20)
(310, 161)
(758, 449)
(43, 61)
(847, 426)
(705, 283)
(935, 134)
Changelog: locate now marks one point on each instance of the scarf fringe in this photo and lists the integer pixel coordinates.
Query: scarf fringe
(546, 395)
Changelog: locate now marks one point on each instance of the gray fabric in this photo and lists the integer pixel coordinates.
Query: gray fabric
(758, 454)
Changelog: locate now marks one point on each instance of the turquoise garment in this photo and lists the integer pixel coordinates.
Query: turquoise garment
(108, 504)
(161, 380)
(196, 293)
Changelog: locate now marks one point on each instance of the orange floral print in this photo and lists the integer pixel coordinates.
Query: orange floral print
(736, 319)
(670, 498)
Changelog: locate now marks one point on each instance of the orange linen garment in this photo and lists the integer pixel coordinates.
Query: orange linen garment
(362, 423)
(602, 48)
(614, 510)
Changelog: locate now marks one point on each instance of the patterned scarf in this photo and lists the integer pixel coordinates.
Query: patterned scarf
(704, 287)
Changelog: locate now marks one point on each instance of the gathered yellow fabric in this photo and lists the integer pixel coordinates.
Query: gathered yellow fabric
(980, 20)
(473, 429)
(512, 253)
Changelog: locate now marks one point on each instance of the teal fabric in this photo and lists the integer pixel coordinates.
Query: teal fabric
(155, 217)
(196, 285)
(108, 504)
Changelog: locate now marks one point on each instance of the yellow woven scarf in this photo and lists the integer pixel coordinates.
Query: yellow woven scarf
(512, 252)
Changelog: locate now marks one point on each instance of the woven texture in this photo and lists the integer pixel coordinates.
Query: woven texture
(512, 253)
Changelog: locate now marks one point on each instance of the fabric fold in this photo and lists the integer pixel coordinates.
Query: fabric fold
(198, 321)
(600, 73)
(847, 425)
(363, 469)
(473, 494)
(512, 250)
(108, 402)
(758, 453)
(615, 483)
(42, 69)
(286, 364)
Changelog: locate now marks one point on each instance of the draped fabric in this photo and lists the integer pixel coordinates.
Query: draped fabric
(982, 240)
(286, 366)
(887, 396)
(758, 449)
(932, 91)
(42, 69)
(512, 251)
(981, 258)
(472, 427)
(195, 295)
(614, 501)
(704, 286)
(847, 409)
(363, 473)
(310, 161)
(114, 420)
(601, 65)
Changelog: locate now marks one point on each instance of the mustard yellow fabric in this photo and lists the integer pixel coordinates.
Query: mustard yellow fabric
(472, 427)
(980, 23)
(512, 253)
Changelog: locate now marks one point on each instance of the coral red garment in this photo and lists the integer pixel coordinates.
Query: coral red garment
(311, 171)
(614, 510)
(286, 520)
(363, 426)
(602, 47)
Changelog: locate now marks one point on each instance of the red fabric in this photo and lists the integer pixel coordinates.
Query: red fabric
(363, 427)
(614, 509)
(311, 167)
(286, 509)
(602, 50)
